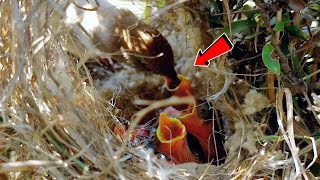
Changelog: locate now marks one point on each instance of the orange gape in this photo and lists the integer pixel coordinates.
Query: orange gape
(173, 140)
(195, 125)
(184, 88)
(200, 129)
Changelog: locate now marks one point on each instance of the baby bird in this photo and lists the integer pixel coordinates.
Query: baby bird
(198, 121)
(201, 130)
(172, 137)
(182, 89)
(121, 33)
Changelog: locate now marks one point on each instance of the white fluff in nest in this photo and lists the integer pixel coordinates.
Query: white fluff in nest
(243, 137)
(128, 79)
(254, 102)
(185, 39)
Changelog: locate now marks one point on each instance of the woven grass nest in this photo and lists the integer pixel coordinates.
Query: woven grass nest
(57, 114)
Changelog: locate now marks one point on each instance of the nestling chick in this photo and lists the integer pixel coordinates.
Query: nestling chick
(198, 121)
(120, 32)
(182, 89)
(202, 130)
(172, 137)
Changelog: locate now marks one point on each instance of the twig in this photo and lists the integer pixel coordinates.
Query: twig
(315, 145)
(256, 35)
(271, 89)
(290, 137)
(312, 75)
(271, 76)
(236, 12)
(22, 45)
(227, 9)
(86, 9)
(315, 63)
(278, 19)
(285, 68)
(310, 106)
(246, 59)
(310, 44)
(227, 82)
(315, 151)
(165, 9)
(26, 165)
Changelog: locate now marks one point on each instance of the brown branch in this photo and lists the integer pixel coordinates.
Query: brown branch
(271, 89)
(315, 63)
(285, 68)
(299, 89)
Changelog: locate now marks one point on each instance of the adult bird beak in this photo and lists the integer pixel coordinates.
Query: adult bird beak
(201, 130)
(172, 136)
(182, 89)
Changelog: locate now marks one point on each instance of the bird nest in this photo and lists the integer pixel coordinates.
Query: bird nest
(57, 115)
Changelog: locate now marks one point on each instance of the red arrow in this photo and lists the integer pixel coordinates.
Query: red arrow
(220, 46)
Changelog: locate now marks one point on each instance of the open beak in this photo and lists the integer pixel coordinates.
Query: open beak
(183, 89)
(172, 136)
(201, 130)
(193, 121)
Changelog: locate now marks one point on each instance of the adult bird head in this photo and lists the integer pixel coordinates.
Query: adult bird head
(121, 34)
(172, 137)
(146, 48)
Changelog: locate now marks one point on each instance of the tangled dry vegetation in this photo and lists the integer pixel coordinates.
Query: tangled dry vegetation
(57, 115)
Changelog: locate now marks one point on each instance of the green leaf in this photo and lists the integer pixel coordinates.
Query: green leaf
(286, 19)
(147, 11)
(314, 6)
(215, 20)
(251, 36)
(269, 137)
(296, 106)
(300, 72)
(317, 135)
(279, 26)
(295, 31)
(239, 26)
(306, 71)
(296, 63)
(284, 45)
(256, 17)
(216, 7)
(249, 11)
(64, 151)
(162, 3)
(272, 64)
